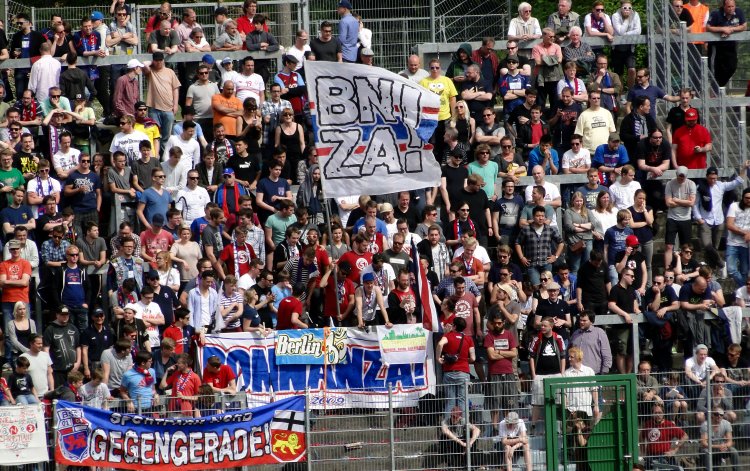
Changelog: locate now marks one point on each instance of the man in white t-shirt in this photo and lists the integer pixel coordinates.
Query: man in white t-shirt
(65, 160)
(193, 199)
(191, 149)
(577, 160)
(623, 190)
(40, 186)
(299, 48)
(150, 313)
(552, 195)
(128, 140)
(249, 84)
(41, 366)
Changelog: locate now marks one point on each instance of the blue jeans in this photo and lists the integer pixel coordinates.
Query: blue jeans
(21, 77)
(737, 256)
(575, 259)
(26, 399)
(453, 382)
(534, 272)
(79, 317)
(165, 120)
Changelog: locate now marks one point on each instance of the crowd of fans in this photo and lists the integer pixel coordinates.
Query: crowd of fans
(191, 227)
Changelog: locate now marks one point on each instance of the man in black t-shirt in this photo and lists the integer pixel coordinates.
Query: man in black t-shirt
(593, 285)
(632, 258)
(661, 305)
(246, 166)
(326, 47)
(622, 301)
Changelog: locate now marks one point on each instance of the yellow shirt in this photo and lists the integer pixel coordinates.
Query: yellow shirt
(152, 132)
(442, 86)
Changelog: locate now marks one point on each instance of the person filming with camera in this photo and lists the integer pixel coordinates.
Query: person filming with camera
(455, 351)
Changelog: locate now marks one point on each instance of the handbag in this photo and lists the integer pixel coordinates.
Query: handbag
(577, 247)
(452, 358)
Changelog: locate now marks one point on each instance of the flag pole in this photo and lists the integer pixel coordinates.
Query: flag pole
(330, 241)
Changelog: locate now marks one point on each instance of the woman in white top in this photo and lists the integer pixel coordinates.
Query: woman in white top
(168, 276)
(604, 218)
(186, 253)
(699, 368)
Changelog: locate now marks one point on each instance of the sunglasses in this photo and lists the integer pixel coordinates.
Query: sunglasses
(85, 161)
(55, 96)
(193, 178)
(544, 279)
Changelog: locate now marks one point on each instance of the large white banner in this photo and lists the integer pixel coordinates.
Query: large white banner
(403, 343)
(23, 437)
(371, 129)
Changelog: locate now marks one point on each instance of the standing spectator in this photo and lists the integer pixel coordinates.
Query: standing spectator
(128, 140)
(62, 342)
(163, 94)
(73, 283)
(546, 360)
(116, 360)
(348, 31)
(524, 27)
(598, 24)
(138, 386)
(709, 212)
(45, 73)
(722, 56)
(680, 198)
(593, 343)
(738, 235)
(40, 365)
(95, 340)
(164, 39)
(155, 200)
(455, 351)
(595, 124)
(249, 84)
(123, 38)
(26, 44)
(199, 96)
(625, 22)
(644, 88)
(593, 285)
(676, 116)
(548, 57)
(184, 383)
(227, 109)
(563, 19)
(326, 47)
(623, 302)
(653, 157)
(691, 143)
(637, 125)
(623, 190)
(83, 190)
(577, 51)
(446, 90)
(502, 350)
(582, 401)
(538, 252)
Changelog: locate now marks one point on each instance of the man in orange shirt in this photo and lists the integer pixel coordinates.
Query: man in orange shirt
(227, 109)
(15, 274)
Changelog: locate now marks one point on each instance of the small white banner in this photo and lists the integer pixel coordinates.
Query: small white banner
(402, 343)
(23, 437)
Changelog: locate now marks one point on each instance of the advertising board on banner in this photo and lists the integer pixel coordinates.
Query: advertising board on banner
(23, 437)
(371, 128)
(311, 346)
(403, 343)
(352, 383)
(272, 433)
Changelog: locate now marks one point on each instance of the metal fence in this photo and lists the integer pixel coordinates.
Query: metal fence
(397, 28)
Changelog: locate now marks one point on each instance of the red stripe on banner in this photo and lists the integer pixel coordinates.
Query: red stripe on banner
(324, 151)
(312, 105)
(360, 149)
(402, 147)
(427, 109)
(425, 147)
(396, 108)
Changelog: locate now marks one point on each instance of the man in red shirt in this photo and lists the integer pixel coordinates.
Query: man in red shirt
(341, 292)
(245, 23)
(220, 377)
(184, 383)
(502, 348)
(359, 257)
(454, 352)
(690, 143)
(181, 331)
(238, 254)
(155, 240)
(662, 438)
(289, 315)
(467, 307)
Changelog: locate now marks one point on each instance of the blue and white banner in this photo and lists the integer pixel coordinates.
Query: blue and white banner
(311, 346)
(272, 433)
(371, 128)
(360, 381)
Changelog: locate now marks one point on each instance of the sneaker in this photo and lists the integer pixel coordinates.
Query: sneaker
(7, 367)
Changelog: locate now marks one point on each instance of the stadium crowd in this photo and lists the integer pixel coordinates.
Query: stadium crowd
(190, 227)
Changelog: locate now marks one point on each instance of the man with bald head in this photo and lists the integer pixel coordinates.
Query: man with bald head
(414, 70)
(552, 196)
(227, 107)
(696, 299)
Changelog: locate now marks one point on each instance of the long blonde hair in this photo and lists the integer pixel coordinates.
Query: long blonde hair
(584, 210)
(454, 114)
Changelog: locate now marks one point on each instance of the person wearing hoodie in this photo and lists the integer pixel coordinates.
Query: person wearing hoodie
(62, 342)
(310, 194)
(456, 71)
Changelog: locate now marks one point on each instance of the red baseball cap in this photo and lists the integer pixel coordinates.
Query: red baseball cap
(691, 113)
(632, 241)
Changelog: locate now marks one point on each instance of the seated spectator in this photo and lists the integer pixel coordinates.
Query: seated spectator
(20, 389)
(609, 159)
(648, 386)
(721, 441)
(512, 434)
(661, 438)
(721, 398)
(675, 399)
(698, 369)
(575, 84)
(545, 156)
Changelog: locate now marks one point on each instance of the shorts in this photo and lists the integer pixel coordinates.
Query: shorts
(683, 229)
(503, 391)
(537, 388)
(619, 340)
(480, 351)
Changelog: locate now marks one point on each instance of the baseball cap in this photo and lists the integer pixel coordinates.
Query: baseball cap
(63, 310)
(140, 104)
(229, 171)
(346, 4)
(226, 60)
(367, 52)
(682, 170)
(552, 285)
(157, 219)
(96, 15)
(386, 208)
(631, 241)
(512, 418)
(691, 113)
(14, 244)
(221, 11)
(513, 57)
(368, 277)
(79, 96)
(614, 137)
(208, 59)
(158, 56)
(98, 312)
(133, 63)
(290, 58)
(153, 275)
